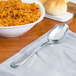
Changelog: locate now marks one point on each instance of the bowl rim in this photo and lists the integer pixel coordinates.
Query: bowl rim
(40, 18)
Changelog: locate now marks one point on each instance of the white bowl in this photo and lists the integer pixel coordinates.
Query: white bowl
(14, 31)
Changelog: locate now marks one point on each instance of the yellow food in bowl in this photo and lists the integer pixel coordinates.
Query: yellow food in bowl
(14, 13)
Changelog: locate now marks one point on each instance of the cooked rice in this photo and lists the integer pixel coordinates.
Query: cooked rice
(14, 13)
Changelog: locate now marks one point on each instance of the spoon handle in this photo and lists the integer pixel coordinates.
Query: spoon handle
(22, 60)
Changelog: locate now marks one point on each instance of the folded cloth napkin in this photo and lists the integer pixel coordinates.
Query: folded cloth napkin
(3, 72)
(74, 1)
(62, 18)
(52, 60)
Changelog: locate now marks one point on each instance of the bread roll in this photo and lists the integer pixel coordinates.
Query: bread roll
(42, 1)
(55, 7)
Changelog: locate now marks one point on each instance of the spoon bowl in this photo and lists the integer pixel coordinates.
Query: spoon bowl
(58, 33)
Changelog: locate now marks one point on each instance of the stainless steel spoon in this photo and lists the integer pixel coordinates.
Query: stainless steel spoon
(57, 33)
